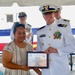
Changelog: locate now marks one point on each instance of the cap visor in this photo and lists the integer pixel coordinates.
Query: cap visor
(21, 16)
(48, 12)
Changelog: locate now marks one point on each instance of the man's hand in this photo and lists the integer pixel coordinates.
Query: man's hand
(28, 36)
(37, 71)
(51, 50)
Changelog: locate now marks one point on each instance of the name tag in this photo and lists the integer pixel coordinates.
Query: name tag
(42, 35)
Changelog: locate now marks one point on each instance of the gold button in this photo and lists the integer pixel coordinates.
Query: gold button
(50, 29)
(49, 36)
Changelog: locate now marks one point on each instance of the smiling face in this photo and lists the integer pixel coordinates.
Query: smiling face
(20, 34)
(49, 18)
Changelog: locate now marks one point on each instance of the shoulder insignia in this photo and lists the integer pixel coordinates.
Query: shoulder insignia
(62, 25)
(29, 25)
(41, 27)
(66, 20)
(16, 22)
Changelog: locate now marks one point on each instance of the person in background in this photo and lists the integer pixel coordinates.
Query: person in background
(53, 39)
(60, 21)
(14, 53)
(29, 35)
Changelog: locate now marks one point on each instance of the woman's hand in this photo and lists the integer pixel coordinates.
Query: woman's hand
(28, 36)
(26, 68)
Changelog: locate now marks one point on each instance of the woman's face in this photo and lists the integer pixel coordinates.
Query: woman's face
(20, 34)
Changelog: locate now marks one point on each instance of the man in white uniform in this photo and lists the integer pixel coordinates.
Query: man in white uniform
(22, 17)
(59, 19)
(55, 40)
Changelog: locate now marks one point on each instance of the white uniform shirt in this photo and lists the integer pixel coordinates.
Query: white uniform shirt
(60, 38)
(28, 30)
(64, 22)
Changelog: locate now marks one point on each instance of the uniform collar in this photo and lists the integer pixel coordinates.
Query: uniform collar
(58, 20)
(51, 25)
(24, 23)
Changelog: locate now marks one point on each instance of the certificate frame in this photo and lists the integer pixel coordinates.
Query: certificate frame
(37, 59)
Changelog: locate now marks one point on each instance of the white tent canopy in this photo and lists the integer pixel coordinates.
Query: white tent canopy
(36, 2)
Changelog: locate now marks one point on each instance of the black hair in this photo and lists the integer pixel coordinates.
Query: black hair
(18, 25)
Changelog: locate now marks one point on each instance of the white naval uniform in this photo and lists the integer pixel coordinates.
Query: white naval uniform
(28, 30)
(61, 20)
(65, 44)
(64, 21)
(28, 26)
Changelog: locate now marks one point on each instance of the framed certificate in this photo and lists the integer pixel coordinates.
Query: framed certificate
(37, 59)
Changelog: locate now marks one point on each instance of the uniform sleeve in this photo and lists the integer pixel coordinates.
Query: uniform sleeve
(8, 48)
(39, 47)
(68, 28)
(69, 42)
(11, 33)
